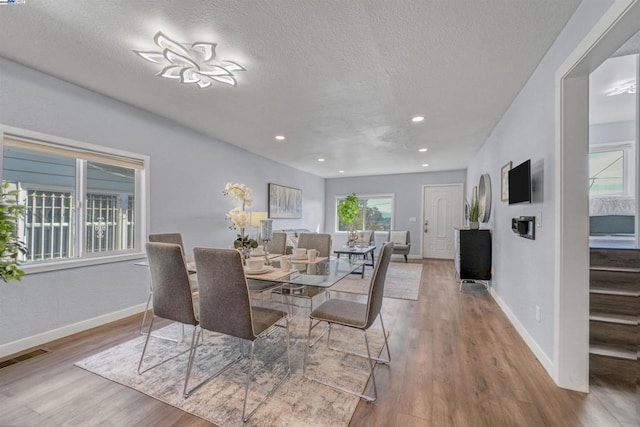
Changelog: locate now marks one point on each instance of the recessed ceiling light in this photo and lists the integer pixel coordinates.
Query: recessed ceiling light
(280, 137)
(340, 171)
(424, 165)
(422, 150)
(321, 159)
(417, 119)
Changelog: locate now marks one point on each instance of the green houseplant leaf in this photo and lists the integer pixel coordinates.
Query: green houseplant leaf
(10, 245)
(348, 209)
(474, 211)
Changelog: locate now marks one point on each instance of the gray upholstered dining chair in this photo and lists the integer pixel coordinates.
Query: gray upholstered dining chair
(172, 298)
(225, 308)
(355, 315)
(278, 243)
(401, 242)
(319, 241)
(175, 238)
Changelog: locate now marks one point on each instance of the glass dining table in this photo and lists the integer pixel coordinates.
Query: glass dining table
(322, 273)
(303, 278)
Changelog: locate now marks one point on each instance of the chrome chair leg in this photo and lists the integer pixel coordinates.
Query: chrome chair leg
(144, 349)
(146, 310)
(335, 386)
(144, 320)
(146, 342)
(245, 418)
(190, 364)
(386, 343)
(216, 374)
(377, 359)
(371, 374)
(246, 386)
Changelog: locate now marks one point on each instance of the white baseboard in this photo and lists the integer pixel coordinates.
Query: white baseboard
(54, 334)
(547, 363)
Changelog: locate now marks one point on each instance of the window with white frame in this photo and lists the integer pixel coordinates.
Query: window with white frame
(81, 202)
(376, 213)
(610, 170)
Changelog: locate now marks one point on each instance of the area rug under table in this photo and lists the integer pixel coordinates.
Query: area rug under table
(402, 282)
(298, 401)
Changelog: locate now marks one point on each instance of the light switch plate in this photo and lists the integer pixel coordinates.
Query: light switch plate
(539, 219)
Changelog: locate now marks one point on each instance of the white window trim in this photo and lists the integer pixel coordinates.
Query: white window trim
(142, 214)
(336, 220)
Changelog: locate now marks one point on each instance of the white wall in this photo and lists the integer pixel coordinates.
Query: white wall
(524, 269)
(407, 191)
(188, 173)
(612, 132)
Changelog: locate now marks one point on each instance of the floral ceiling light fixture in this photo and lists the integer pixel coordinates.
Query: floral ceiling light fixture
(191, 63)
(627, 87)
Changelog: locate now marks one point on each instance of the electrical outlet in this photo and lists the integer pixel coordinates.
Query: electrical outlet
(538, 313)
(539, 219)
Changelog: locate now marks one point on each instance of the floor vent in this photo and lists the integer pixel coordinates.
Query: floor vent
(23, 357)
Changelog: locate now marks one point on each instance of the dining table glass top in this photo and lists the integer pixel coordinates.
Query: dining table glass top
(323, 273)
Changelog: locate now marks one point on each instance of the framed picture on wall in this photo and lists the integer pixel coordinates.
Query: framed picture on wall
(284, 202)
(504, 181)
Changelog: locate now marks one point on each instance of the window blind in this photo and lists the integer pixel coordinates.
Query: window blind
(70, 151)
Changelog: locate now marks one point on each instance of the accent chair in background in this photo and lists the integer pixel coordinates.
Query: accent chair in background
(401, 242)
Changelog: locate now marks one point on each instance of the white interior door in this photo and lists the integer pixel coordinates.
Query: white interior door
(442, 212)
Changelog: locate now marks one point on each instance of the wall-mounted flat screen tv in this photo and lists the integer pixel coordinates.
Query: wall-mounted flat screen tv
(520, 183)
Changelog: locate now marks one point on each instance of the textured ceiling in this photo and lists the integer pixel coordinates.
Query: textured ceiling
(340, 79)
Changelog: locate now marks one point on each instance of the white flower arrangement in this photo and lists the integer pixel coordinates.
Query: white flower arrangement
(240, 192)
(239, 216)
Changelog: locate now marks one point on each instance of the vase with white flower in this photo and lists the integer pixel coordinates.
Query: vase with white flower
(239, 216)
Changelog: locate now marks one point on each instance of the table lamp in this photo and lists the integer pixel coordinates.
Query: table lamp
(266, 234)
(254, 221)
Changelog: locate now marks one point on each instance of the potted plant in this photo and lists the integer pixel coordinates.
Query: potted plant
(11, 247)
(474, 214)
(348, 210)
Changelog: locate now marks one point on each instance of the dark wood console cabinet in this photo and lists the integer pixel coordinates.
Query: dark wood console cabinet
(472, 251)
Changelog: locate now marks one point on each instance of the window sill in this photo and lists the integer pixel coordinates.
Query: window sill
(80, 262)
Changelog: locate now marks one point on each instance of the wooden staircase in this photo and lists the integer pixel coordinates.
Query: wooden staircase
(614, 341)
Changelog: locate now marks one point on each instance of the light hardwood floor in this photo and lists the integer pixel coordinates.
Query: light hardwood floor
(456, 360)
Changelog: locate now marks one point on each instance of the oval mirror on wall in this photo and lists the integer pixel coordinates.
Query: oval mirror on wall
(484, 197)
